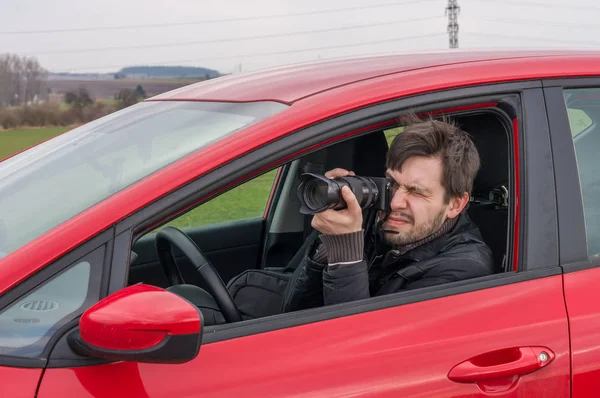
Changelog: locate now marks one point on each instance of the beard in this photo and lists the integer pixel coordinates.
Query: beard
(417, 232)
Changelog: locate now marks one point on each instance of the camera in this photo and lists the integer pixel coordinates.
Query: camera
(318, 193)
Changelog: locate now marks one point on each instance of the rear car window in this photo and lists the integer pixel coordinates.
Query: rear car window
(583, 107)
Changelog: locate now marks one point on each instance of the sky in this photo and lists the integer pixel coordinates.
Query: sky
(244, 35)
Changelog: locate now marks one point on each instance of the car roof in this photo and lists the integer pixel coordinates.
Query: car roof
(288, 84)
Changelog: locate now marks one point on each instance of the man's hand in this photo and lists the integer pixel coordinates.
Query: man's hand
(337, 222)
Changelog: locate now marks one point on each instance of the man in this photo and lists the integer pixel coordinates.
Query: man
(428, 239)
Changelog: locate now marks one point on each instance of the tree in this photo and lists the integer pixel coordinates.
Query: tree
(79, 99)
(21, 80)
(128, 97)
(5, 81)
(139, 93)
(34, 74)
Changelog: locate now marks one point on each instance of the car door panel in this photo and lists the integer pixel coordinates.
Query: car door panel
(583, 298)
(232, 247)
(405, 351)
(19, 382)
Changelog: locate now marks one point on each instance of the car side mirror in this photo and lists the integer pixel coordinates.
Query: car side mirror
(140, 323)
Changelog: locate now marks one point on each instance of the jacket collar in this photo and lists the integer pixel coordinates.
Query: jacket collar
(433, 247)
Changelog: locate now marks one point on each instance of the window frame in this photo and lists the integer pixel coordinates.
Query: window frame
(571, 216)
(535, 260)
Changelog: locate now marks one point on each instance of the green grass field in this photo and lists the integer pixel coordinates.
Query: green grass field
(12, 141)
(245, 201)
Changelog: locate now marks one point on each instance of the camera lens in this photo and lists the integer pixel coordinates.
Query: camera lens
(318, 193)
(315, 194)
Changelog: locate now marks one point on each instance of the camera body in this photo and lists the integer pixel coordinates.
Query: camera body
(318, 193)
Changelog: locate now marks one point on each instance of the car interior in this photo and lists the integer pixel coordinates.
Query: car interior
(276, 243)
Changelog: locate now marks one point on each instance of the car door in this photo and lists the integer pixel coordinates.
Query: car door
(501, 335)
(574, 111)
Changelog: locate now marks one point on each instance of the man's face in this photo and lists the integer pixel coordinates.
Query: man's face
(417, 208)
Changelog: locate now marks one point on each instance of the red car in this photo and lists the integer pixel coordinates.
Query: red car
(86, 307)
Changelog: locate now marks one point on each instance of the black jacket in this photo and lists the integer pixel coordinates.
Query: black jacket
(457, 255)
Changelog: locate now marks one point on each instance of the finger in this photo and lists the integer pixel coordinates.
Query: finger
(338, 172)
(350, 199)
(316, 223)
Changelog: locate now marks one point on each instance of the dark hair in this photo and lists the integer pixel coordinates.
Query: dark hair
(438, 138)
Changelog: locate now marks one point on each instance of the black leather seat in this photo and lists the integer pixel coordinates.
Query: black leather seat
(365, 155)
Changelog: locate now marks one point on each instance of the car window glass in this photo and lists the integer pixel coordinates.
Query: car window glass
(27, 324)
(244, 201)
(390, 134)
(578, 120)
(583, 106)
(54, 181)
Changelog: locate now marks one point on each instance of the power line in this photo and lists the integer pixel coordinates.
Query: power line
(195, 42)
(274, 52)
(212, 21)
(537, 22)
(539, 4)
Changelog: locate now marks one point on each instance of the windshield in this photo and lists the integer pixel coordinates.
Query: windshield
(54, 181)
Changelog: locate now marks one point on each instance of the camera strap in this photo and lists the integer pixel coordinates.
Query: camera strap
(373, 235)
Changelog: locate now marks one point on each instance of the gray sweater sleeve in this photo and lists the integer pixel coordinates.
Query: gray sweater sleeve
(344, 249)
(346, 278)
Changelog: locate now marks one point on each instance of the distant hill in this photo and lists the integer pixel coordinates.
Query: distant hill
(81, 76)
(167, 72)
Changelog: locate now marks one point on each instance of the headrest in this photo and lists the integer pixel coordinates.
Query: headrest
(370, 153)
(491, 139)
(365, 155)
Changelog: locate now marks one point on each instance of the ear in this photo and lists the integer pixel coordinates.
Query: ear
(457, 204)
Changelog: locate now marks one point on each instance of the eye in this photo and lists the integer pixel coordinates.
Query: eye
(416, 192)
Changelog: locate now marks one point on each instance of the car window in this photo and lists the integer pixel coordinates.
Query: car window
(244, 201)
(390, 134)
(28, 323)
(583, 106)
(54, 181)
(578, 120)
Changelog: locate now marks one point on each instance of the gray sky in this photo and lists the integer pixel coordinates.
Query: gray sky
(396, 27)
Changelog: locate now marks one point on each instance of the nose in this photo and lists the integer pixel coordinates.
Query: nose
(399, 200)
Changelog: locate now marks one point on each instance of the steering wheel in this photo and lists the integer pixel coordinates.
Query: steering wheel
(168, 237)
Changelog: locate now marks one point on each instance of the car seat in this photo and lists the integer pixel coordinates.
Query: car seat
(491, 216)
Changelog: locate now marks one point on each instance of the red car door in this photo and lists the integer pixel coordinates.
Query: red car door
(487, 341)
(18, 382)
(504, 335)
(575, 131)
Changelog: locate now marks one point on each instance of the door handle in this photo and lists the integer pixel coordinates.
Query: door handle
(509, 362)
